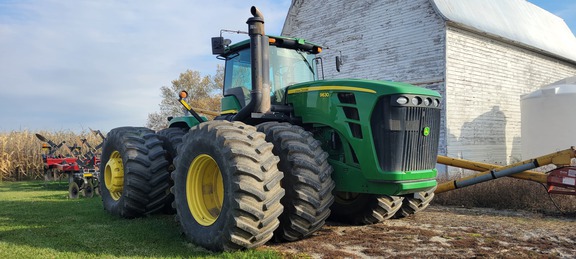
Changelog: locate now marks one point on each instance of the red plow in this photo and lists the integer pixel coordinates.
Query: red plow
(81, 168)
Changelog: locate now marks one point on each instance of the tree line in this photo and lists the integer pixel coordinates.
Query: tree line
(204, 92)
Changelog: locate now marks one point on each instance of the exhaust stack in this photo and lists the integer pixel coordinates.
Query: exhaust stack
(260, 62)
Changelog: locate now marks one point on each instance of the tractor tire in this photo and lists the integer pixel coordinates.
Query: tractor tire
(134, 178)
(88, 190)
(307, 180)
(364, 209)
(414, 203)
(227, 186)
(172, 138)
(73, 190)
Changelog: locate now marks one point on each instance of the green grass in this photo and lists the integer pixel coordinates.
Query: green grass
(37, 220)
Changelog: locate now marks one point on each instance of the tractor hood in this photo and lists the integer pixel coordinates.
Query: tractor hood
(371, 121)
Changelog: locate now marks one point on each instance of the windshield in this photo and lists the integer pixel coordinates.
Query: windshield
(287, 67)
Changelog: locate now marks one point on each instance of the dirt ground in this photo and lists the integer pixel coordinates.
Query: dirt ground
(445, 232)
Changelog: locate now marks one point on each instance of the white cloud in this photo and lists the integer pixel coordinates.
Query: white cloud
(100, 64)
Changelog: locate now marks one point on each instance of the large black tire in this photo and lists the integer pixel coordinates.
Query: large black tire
(172, 138)
(227, 186)
(307, 180)
(414, 203)
(134, 179)
(364, 209)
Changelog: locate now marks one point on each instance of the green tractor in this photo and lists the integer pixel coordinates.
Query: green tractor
(287, 152)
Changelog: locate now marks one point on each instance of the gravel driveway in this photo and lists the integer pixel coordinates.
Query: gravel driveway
(441, 231)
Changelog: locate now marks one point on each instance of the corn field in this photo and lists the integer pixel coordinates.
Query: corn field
(21, 151)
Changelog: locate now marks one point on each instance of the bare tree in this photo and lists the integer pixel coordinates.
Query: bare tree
(203, 92)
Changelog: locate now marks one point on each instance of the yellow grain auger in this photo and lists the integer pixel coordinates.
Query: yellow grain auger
(561, 180)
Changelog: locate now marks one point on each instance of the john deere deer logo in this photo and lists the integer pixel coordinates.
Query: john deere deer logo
(426, 131)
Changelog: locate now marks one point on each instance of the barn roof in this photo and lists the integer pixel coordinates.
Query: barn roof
(515, 20)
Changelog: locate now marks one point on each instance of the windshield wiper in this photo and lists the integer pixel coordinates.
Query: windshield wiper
(306, 61)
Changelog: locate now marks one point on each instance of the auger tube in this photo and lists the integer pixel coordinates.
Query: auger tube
(558, 158)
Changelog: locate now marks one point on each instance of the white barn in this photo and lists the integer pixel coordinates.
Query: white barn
(481, 55)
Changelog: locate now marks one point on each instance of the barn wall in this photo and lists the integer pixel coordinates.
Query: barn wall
(485, 78)
(384, 40)
(392, 40)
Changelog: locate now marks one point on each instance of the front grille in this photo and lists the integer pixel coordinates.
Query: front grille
(399, 135)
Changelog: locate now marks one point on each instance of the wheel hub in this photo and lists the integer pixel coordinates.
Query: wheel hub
(204, 190)
(345, 197)
(114, 175)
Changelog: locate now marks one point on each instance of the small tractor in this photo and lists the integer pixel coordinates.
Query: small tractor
(81, 168)
(287, 151)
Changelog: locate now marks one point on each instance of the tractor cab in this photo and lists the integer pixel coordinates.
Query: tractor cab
(291, 61)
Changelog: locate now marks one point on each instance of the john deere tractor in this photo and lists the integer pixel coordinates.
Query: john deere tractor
(287, 152)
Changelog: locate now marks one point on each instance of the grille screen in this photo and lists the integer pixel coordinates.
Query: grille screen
(406, 137)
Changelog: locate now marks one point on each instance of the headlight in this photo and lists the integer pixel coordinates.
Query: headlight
(436, 102)
(427, 101)
(416, 100)
(402, 100)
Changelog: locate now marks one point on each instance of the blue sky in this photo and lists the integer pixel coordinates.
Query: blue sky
(565, 9)
(75, 64)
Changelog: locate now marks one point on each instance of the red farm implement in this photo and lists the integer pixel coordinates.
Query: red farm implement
(81, 168)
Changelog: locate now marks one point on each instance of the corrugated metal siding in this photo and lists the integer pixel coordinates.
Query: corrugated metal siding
(485, 79)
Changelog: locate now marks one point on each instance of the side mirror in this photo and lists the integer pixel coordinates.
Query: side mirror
(338, 63)
(217, 45)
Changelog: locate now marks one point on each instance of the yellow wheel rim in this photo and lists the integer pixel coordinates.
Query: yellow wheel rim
(204, 190)
(114, 175)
